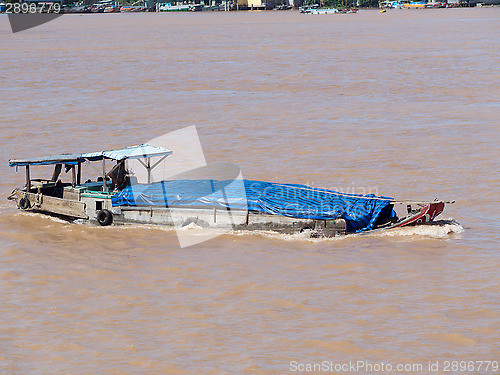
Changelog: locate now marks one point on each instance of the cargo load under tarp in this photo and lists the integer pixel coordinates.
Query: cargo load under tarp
(299, 201)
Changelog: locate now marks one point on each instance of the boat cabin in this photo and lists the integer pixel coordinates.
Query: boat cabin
(77, 199)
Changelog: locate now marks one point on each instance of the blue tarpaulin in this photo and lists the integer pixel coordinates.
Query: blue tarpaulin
(359, 211)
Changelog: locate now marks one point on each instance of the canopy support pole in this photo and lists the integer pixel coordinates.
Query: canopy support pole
(28, 180)
(104, 184)
(79, 174)
(73, 176)
(150, 167)
(149, 170)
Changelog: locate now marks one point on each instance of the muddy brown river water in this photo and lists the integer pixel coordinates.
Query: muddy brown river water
(406, 102)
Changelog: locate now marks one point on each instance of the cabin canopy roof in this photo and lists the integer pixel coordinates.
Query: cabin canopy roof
(133, 152)
(47, 160)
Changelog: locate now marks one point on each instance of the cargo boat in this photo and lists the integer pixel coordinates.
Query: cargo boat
(220, 202)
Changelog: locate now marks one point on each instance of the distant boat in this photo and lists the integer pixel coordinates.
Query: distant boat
(111, 9)
(416, 5)
(391, 4)
(315, 9)
(284, 7)
(76, 9)
(138, 6)
(168, 7)
(324, 11)
(349, 10)
(133, 8)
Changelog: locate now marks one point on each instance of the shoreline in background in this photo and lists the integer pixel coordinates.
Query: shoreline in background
(111, 6)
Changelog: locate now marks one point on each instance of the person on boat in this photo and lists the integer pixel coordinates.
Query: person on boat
(119, 176)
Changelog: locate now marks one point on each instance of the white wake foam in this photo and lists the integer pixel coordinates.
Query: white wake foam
(438, 229)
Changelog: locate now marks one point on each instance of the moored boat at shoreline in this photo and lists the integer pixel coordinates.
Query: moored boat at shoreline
(315, 9)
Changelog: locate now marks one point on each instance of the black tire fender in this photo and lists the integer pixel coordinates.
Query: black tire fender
(104, 218)
(24, 203)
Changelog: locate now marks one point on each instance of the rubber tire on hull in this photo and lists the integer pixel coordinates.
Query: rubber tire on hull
(24, 203)
(104, 218)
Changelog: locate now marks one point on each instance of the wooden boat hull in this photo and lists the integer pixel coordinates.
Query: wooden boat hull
(44, 203)
(88, 207)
